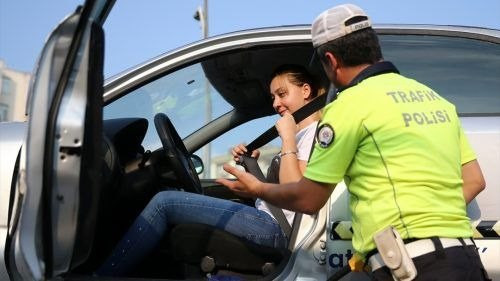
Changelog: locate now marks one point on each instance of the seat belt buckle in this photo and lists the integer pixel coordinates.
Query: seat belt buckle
(251, 166)
(394, 254)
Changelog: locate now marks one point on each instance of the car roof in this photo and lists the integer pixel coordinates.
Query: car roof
(241, 76)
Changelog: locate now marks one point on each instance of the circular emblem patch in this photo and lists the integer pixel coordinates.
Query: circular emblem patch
(325, 135)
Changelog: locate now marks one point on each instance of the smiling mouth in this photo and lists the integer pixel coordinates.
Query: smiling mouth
(281, 110)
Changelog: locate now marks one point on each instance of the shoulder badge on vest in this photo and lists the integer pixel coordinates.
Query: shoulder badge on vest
(325, 135)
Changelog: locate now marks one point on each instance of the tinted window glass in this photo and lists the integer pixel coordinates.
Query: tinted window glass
(464, 71)
(183, 95)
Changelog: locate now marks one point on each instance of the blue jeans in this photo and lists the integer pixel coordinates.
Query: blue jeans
(176, 207)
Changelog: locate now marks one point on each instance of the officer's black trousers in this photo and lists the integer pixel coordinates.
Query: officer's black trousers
(460, 263)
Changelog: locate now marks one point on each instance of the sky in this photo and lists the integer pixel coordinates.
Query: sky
(139, 30)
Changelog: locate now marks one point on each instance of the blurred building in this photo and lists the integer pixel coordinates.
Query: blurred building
(13, 93)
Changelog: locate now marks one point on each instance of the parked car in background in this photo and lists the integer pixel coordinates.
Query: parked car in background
(74, 176)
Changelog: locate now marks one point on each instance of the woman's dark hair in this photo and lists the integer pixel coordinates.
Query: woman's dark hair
(356, 48)
(297, 75)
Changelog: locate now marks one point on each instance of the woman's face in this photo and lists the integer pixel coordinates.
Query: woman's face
(286, 96)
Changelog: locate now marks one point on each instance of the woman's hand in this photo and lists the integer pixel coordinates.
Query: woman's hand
(287, 128)
(241, 149)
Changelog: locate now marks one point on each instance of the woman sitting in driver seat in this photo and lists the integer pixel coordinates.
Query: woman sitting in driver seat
(291, 88)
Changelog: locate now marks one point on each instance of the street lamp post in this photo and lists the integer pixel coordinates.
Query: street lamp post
(201, 15)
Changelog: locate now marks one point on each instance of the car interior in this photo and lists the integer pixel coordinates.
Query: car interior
(132, 175)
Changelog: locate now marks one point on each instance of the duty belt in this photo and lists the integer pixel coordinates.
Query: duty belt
(419, 248)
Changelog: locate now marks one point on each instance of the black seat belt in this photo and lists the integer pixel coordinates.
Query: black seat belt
(250, 164)
(299, 115)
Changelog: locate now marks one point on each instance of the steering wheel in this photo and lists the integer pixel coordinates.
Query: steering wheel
(177, 155)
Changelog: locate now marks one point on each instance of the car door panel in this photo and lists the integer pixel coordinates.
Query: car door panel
(59, 173)
(28, 251)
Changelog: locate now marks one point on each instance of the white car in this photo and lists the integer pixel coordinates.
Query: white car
(79, 171)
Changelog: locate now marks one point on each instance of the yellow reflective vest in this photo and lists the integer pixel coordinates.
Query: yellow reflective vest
(399, 147)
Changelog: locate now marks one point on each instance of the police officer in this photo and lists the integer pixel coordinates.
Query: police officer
(400, 148)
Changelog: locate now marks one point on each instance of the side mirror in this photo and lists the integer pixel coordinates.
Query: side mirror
(197, 163)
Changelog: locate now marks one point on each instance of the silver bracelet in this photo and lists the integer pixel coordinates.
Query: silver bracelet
(287, 152)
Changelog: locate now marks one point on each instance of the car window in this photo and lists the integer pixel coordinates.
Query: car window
(464, 71)
(190, 101)
(185, 96)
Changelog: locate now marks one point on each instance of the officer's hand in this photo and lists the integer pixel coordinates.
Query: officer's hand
(241, 149)
(245, 185)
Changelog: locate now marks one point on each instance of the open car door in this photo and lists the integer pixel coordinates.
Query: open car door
(57, 191)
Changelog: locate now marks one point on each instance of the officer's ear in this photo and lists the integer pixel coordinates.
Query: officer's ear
(331, 60)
